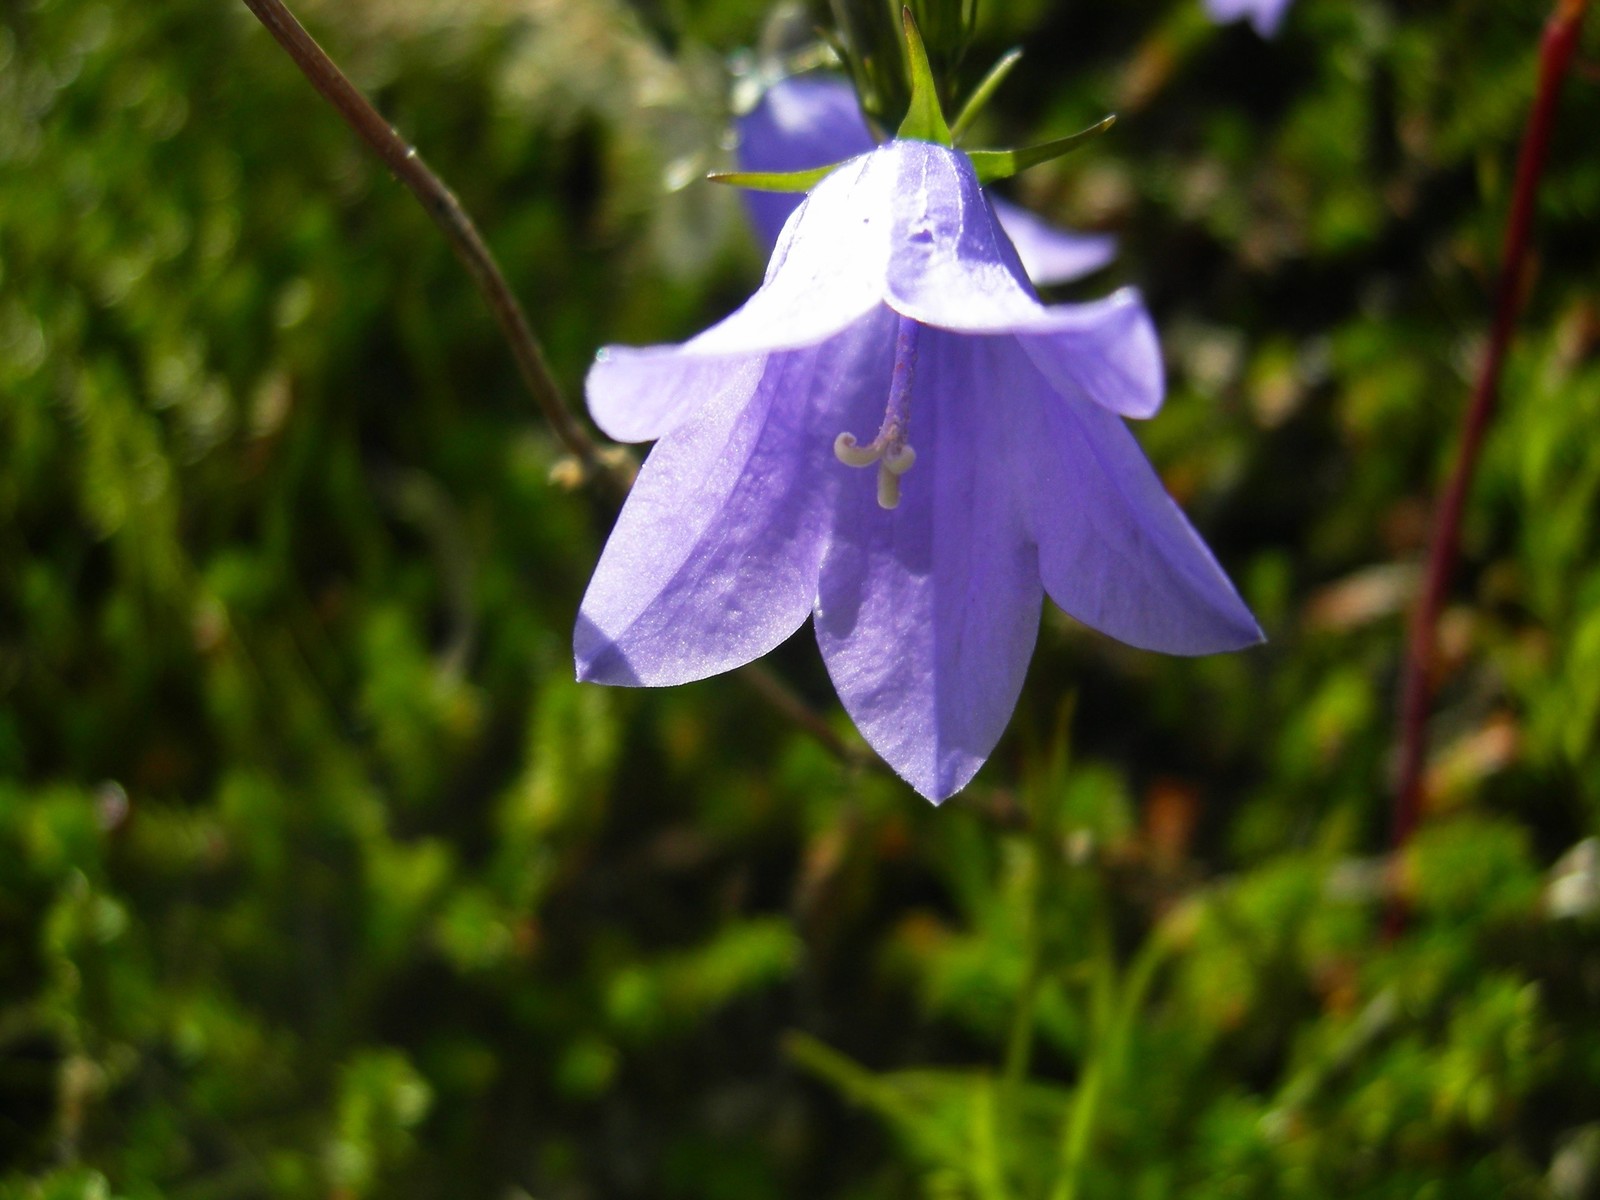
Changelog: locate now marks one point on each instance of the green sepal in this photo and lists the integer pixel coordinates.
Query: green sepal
(1003, 164)
(774, 181)
(983, 93)
(925, 118)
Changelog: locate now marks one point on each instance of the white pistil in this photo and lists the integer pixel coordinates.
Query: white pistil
(890, 449)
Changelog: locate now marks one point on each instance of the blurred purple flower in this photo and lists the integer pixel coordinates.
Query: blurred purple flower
(1265, 15)
(812, 120)
(894, 303)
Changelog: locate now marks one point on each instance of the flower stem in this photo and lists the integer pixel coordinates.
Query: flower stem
(1555, 58)
(771, 688)
(1114, 1013)
(1077, 1131)
(1041, 803)
(1019, 1039)
(442, 207)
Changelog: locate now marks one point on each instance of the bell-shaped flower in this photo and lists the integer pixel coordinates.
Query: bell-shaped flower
(1265, 15)
(895, 332)
(812, 120)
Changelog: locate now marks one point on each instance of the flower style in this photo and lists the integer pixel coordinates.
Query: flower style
(1265, 15)
(895, 304)
(811, 120)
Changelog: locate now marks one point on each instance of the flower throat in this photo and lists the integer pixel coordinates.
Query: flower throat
(890, 449)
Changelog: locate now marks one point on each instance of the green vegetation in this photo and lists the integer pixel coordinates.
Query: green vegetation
(319, 877)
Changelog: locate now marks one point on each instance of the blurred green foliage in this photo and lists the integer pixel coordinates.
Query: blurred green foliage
(319, 876)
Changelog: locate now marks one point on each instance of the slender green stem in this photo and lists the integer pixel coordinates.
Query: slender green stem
(983, 93)
(1042, 829)
(989, 1169)
(1019, 1039)
(858, 1084)
(1115, 1009)
(1079, 1129)
(1136, 985)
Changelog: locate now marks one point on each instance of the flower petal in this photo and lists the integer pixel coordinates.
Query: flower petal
(1106, 352)
(906, 224)
(927, 614)
(811, 120)
(1115, 551)
(826, 270)
(1051, 255)
(801, 122)
(714, 559)
(641, 394)
(1265, 15)
(637, 394)
(952, 267)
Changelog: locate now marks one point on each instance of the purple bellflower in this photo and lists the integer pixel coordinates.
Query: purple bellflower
(1265, 15)
(810, 120)
(895, 330)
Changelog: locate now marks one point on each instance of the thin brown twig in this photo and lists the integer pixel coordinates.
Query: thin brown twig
(1555, 58)
(783, 700)
(441, 205)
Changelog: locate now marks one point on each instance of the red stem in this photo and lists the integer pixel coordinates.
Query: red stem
(1416, 696)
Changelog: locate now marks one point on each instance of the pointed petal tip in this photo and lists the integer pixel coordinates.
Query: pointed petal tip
(1140, 358)
(1106, 352)
(1246, 631)
(953, 776)
(936, 777)
(935, 798)
(948, 786)
(1231, 632)
(598, 659)
(595, 670)
(1246, 637)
